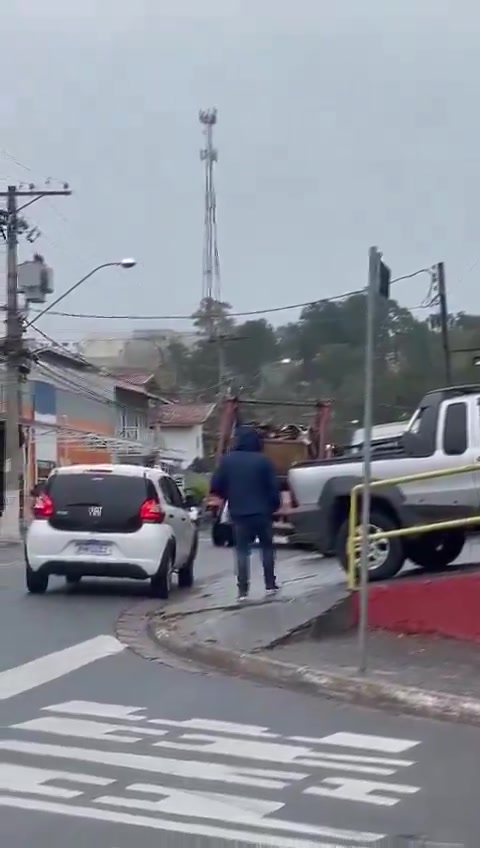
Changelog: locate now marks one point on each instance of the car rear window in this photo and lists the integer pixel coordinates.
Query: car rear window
(99, 489)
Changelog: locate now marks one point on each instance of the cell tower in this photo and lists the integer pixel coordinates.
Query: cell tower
(211, 287)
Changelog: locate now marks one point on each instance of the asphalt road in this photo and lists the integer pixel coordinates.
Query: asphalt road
(101, 747)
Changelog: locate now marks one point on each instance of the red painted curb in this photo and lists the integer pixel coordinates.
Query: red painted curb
(444, 605)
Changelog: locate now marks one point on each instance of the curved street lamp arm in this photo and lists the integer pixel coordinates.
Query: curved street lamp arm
(70, 290)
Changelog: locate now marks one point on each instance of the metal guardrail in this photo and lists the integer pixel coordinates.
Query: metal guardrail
(413, 530)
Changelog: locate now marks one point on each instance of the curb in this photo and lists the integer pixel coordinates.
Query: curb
(322, 683)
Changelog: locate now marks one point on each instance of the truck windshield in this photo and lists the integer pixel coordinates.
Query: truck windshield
(413, 425)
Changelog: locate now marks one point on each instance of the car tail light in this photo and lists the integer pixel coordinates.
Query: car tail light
(152, 512)
(43, 507)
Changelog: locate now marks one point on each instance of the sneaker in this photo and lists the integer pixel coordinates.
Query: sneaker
(273, 590)
(242, 596)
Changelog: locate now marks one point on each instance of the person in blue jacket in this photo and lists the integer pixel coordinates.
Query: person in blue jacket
(246, 478)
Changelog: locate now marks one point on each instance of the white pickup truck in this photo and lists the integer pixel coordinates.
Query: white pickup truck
(443, 433)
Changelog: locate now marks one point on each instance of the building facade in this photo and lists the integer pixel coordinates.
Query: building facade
(182, 427)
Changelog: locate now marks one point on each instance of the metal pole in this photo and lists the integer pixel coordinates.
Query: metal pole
(373, 283)
(11, 509)
(442, 296)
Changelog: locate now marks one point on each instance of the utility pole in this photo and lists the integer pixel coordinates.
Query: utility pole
(13, 461)
(442, 302)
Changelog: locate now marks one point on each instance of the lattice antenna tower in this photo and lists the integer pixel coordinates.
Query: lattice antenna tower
(211, 284)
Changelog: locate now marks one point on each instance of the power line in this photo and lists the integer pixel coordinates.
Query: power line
(190, 317)
(271, 309)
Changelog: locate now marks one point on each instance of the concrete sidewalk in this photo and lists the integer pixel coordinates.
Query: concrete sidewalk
(302, 639)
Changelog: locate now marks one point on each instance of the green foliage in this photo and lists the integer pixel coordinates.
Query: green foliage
(321, 355)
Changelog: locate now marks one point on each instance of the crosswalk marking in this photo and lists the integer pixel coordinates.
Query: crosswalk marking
(16, 778)
(88, 729)
(14, 681)
(236, 783)
(92, 708)
(191, 828)
(201, 770)
(388, 744)
(361, 790)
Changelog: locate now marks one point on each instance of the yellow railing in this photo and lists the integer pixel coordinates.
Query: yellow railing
(354, 533)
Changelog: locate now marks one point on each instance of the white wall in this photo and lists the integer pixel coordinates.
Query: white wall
(187, 440)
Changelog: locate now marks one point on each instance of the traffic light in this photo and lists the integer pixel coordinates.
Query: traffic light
(384, 283)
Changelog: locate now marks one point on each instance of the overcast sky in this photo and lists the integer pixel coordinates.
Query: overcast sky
(341, 124)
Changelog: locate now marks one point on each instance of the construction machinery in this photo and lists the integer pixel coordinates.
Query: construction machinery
(284, 443)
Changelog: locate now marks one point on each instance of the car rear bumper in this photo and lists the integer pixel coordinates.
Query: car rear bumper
(137, 555)
(86, 568)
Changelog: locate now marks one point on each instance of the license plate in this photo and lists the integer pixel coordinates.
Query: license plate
(94, 548)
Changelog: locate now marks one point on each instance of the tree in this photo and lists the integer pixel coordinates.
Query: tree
(212, 317)
(253, 346)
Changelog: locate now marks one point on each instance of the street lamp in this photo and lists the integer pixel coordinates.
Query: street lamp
(122, 263)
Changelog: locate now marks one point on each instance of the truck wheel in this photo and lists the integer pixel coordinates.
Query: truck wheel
(435, 551)
(386, 556)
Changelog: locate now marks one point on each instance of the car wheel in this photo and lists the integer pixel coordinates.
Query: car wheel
(73, 579)
(186, 575)
(386, 556)
(161, 582)
(37, 583)
(435, 551)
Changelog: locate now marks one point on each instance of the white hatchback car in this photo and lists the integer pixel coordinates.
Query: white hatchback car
(110, 521)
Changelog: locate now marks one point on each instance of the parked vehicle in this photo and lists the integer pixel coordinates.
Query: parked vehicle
(284, 444)
(385, 438)
(110, 521)
(444, 433)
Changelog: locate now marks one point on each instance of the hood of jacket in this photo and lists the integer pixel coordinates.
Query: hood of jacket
(248, 439)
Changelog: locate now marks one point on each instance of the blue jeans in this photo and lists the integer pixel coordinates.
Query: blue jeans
(246, 530)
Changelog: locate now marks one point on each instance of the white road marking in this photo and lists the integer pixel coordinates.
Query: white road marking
(218, 727)
(199, 770)
(387, 744)
(183, 827)
(351, 789)
(87, 729)
(21, 679)
(225, 752)
(274, 752)
(92, 708)
(15, 778)
(232, 808)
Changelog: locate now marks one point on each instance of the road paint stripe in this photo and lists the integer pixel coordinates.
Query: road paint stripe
(351, 789)
(229, 809)
(98, 710)
(199, 770)
(387, 744)
(21, 679)
(190, 828)
(264, 751)
(218, 727)
(86, 729)
(15, 778)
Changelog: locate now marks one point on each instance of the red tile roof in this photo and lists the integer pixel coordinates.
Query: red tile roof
(136, 378)
(184, 415)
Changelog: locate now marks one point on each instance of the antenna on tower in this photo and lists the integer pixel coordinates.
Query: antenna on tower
(211, 283)
(211, 287)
